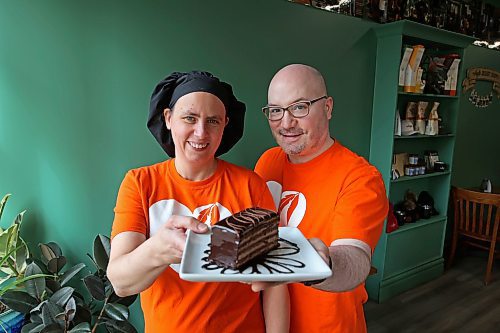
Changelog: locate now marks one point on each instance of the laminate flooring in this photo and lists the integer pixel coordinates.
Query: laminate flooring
(458, 301)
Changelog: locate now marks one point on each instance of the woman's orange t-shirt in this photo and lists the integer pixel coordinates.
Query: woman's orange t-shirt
(147, 197)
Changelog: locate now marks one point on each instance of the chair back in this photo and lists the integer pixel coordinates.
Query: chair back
(477, 214)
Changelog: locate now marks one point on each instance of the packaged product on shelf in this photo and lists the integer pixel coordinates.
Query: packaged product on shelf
(410, 205)
(397, 124)
(420, 122)
(398, 164)
(407, 128)
(440, 166)
(425, 204)
(402, 67)
(411, 69)
(432, 127)
(420, 84)
(411, 111)
(430, 157)
(436, 76)
(451, 62)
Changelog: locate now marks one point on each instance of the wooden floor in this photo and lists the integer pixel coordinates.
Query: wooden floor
(458, 301)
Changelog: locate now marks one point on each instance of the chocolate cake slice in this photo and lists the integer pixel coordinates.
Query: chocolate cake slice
(243, 236)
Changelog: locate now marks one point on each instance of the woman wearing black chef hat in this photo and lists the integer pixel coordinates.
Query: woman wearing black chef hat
(194, 117)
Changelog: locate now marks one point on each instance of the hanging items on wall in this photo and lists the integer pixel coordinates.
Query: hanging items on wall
(481, 74)
(477, 18)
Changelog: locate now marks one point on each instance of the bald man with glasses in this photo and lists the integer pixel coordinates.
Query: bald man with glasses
(335, 197)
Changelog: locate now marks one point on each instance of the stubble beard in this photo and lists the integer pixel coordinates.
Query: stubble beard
(289, 149)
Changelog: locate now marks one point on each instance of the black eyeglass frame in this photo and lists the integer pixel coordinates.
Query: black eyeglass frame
(309, 103)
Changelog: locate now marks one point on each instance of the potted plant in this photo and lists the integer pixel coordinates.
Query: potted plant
(51, 304)
(14, 256)
(38, 295)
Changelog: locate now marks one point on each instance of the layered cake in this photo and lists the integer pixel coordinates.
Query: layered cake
(241, 237)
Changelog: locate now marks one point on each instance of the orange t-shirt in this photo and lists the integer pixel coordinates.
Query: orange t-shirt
(337, 197)
(147, 197)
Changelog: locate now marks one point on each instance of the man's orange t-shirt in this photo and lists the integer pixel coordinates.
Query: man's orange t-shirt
(147, 197)
(337, 197)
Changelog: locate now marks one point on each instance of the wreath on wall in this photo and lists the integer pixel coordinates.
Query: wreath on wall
(481, 74)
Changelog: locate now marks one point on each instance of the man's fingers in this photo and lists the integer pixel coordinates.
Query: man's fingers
(321, 248)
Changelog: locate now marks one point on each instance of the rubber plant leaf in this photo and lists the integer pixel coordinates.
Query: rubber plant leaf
(102, 248)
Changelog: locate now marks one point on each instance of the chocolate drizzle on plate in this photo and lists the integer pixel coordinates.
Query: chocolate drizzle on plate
(277, 261)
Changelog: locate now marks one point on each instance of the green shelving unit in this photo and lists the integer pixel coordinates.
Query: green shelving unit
(413, 254)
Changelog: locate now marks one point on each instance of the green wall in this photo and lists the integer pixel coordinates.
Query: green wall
(76, 76)
(477, 152)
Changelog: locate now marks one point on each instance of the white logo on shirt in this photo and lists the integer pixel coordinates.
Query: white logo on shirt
(160, 211)
(291, 204)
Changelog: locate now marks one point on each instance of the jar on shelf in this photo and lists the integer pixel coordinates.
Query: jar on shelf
(413, 159)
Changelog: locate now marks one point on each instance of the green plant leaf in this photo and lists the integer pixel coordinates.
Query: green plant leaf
(70, 309)
(50, 311)
(9, 237)
(81, 328)
(114, 326)
(7, 256)
(21, 255)
(32, 328)
(53, 285)
(47, 252)
(35, 287)
(14, 283)
(80, 300)
(19, 218)
(116, 311)
(102, 248)
(62, 296)
(70, 273)
(2, 205)
(82, 315)
(127, 301)
(61, 317)
(95, 287)
(52, 328)
(108, 287)
(50, 251)
(56, 264)
(4, 279)
(36, 316)
(55, 248)
(19, 301)
(40, 263)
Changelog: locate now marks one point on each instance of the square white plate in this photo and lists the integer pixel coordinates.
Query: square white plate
(294, 260)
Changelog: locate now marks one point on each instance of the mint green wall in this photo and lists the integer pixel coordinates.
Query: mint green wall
(76, 76)
(477, 152)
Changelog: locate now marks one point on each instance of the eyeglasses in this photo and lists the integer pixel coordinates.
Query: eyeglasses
(297, 110)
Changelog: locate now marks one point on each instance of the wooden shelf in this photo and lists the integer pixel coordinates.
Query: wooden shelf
(418, 224)
(427, 175)
(401, 254)
(427, 95)
(422, 136)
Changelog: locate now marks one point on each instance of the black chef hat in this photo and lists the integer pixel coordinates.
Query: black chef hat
(176, 85)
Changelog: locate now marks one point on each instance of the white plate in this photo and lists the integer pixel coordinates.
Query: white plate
(294, 260)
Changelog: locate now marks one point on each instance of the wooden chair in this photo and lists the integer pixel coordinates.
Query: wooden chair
(476, 220)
